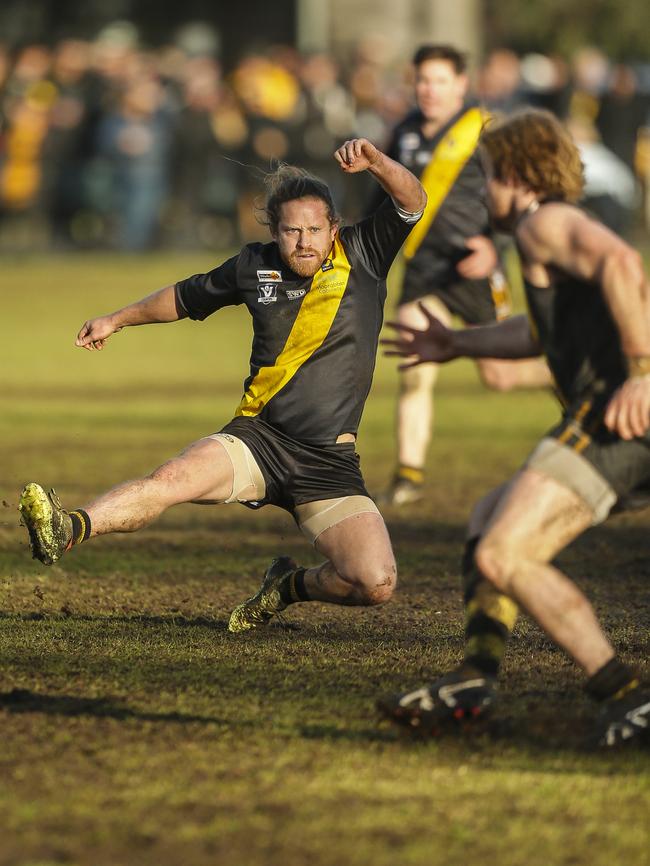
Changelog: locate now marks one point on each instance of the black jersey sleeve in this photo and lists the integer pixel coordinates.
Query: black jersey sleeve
(202, 294)
(377, 239)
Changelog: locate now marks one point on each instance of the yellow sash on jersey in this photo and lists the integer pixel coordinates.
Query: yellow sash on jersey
(311, 327)
(447, 160)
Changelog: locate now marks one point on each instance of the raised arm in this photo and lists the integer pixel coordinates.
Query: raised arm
(400, 184)
(438, 344)
(160, 306)
(568, 239)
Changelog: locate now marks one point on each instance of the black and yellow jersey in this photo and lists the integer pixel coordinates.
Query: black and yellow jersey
(448, 166)
(314, 338)
(579, 338)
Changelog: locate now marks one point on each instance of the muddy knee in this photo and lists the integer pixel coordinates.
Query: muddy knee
(374, 585)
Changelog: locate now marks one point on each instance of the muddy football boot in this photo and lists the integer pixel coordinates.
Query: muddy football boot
(623, 721)
(49, 526)
(401, 491)
(458, 698)
(262, 607)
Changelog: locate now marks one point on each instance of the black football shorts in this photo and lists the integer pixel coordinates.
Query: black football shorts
(296, 473)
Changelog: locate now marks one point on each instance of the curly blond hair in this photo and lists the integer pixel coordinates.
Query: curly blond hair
(534, 148)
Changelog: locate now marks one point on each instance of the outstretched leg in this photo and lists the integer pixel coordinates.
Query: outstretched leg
(202, 472)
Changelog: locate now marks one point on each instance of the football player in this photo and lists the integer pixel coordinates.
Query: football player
(316, 294)
(451, 261)
(589, 314)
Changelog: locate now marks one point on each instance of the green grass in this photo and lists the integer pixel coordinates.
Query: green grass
(136, 730)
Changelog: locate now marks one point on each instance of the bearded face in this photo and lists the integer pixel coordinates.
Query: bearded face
(304, 234)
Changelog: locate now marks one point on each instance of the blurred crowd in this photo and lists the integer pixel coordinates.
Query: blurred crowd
(105, 144)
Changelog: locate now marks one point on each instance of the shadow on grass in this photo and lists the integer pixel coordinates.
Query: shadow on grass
(26, 701)
(130, 619)
(512, 740)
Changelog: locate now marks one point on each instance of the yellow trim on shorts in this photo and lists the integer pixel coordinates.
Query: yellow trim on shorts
(501, 297)
(309, 331)
(574, 429)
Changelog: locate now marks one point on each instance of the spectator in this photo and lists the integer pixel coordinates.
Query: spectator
(136, 140)
(210, 136)
(622, 113)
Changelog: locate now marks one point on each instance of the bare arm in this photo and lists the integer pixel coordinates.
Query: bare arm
(564, 237)
(158, 307)
(438, 344)
(400, 184)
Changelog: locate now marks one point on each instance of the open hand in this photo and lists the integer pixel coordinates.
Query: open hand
(357, 154)
(434, 344)
(628, 412)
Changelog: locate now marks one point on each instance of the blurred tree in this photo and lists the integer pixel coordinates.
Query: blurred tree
(616, 26)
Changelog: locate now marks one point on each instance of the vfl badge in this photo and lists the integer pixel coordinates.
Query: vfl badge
(410, 141)
(268, 294)
(328, 265)
(292, 294)
(269, 276)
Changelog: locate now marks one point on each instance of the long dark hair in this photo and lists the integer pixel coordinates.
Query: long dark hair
(286, 183)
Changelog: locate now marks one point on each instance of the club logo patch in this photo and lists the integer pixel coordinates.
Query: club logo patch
(268, 294)
(328, 265)
(269, 276)
(292, 294)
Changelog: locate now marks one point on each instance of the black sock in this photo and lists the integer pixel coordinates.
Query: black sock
(612, 681)
(489, 616)
(80, 526)
(410, 473)
(292, 588)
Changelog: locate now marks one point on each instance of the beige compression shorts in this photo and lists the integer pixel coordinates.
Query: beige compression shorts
(313, 518)
(569, 468)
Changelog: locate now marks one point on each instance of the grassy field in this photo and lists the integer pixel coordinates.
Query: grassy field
(136, 730)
